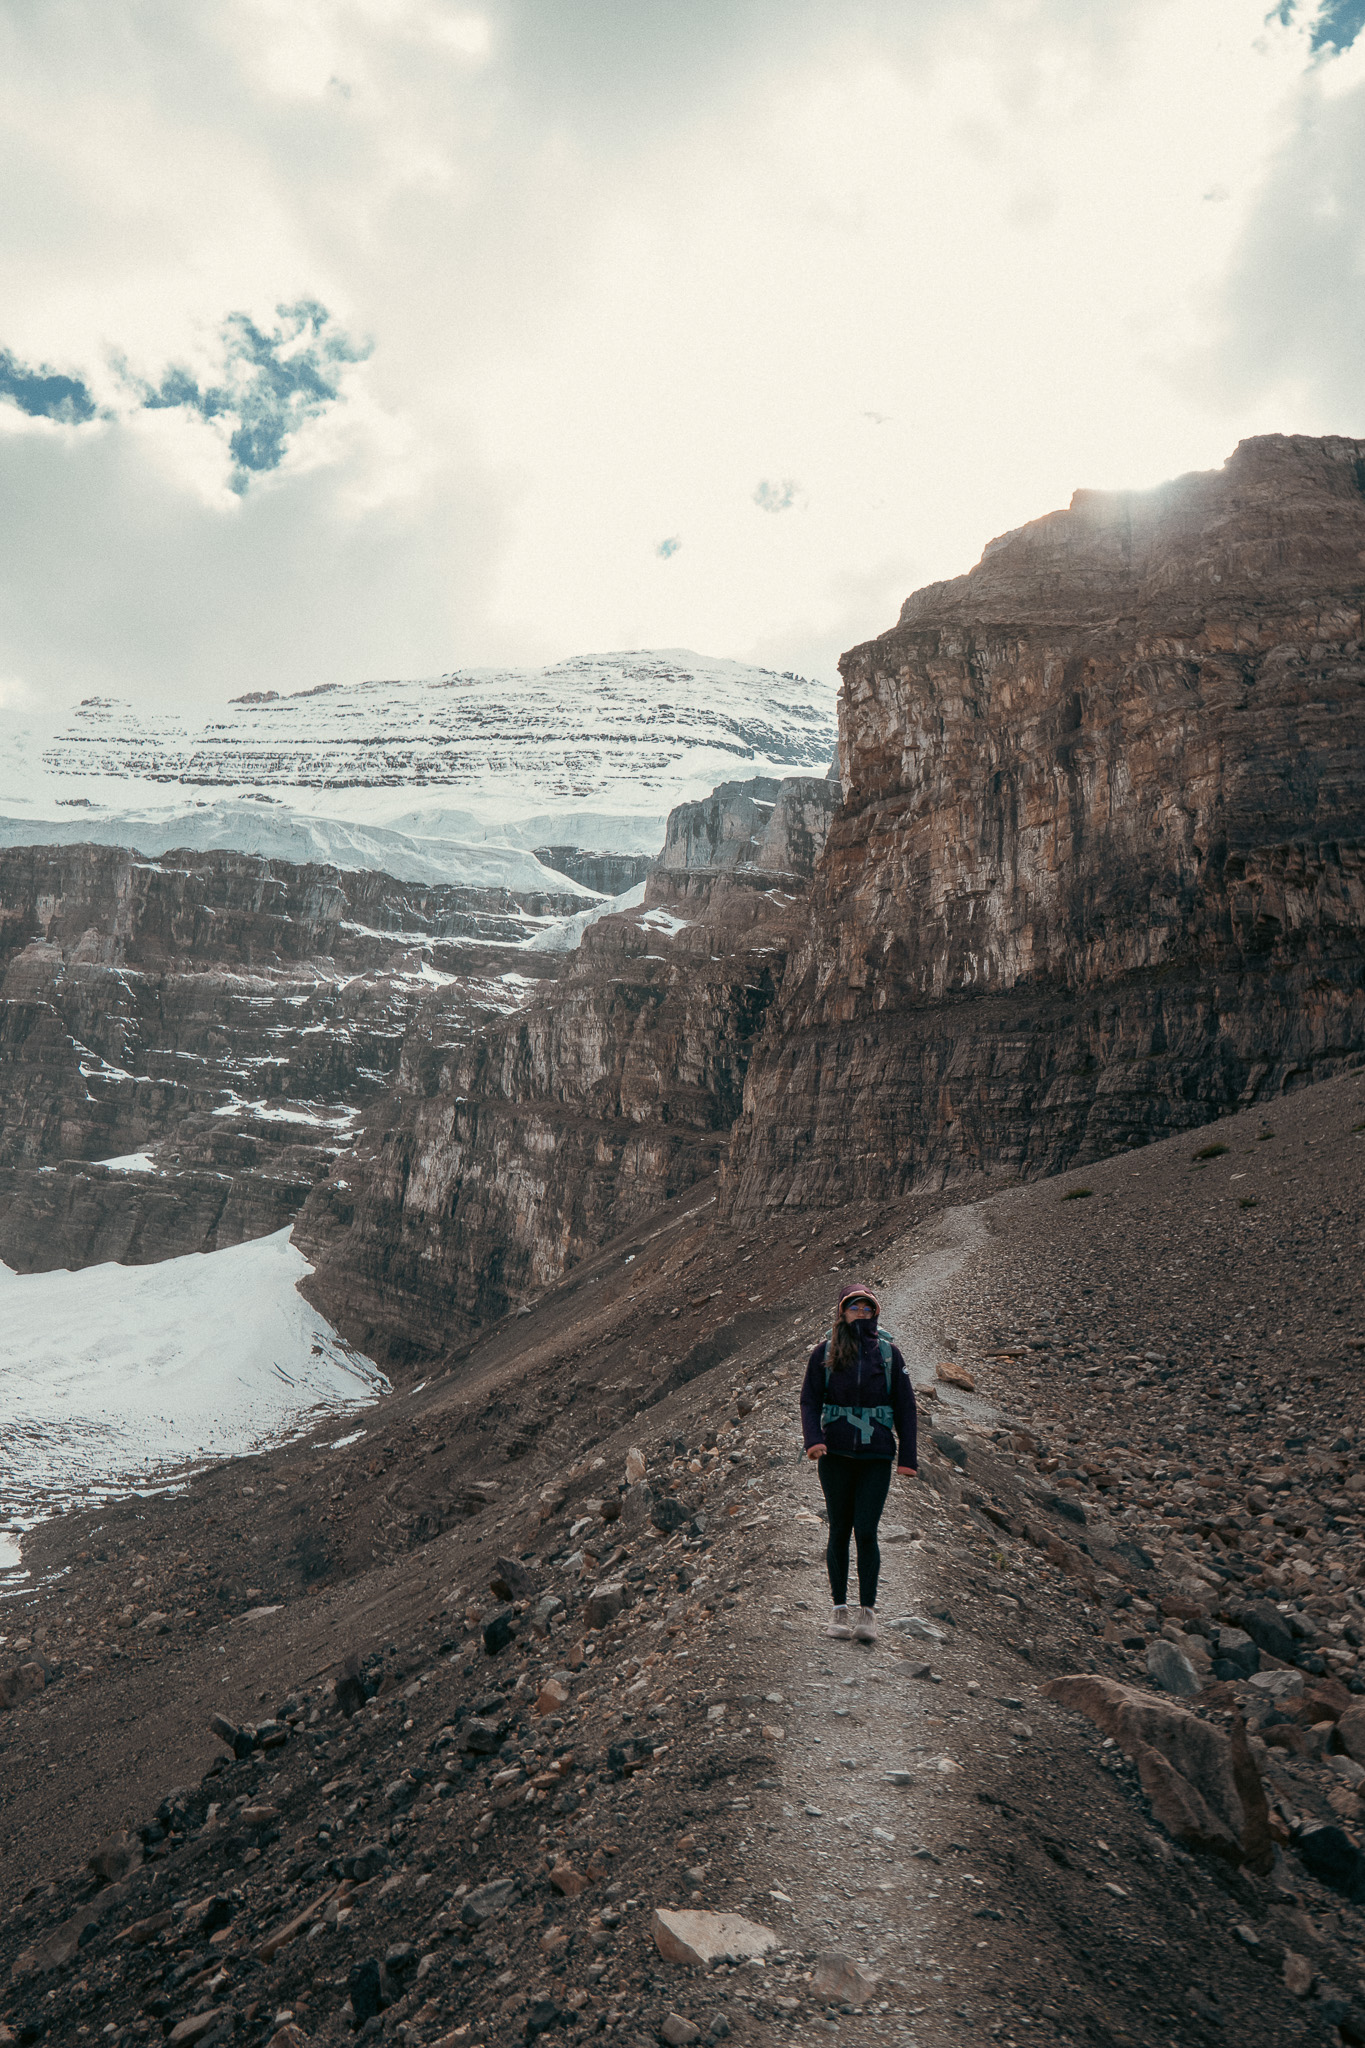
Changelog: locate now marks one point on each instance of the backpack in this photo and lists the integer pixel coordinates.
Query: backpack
(860, 1416)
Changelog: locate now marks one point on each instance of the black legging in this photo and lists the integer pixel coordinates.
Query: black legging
(855, 1491)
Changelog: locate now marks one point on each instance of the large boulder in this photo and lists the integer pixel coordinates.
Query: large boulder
(1202, 1781)
(510, 1579)
(1235, 1654)
(498, 1631)
(1268, 1629)
(668, 1514)
(482, 1737)
(603, 1604)
(838, 1980)
(1330, 1855)
(706, 1938)
(1351, 1733)
(637, 1506)
(1171, 1668)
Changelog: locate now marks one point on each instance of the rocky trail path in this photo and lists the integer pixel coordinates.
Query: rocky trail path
(964, 1853)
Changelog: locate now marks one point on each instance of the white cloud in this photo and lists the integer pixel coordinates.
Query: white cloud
(1288, 338)
(941, 264)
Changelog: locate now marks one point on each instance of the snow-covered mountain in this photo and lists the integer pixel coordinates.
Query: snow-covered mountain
(449, 778)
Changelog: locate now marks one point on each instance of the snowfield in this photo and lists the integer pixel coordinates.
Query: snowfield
(123, 1375)
(451, 778)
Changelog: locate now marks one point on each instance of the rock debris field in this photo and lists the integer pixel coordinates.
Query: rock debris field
(556, 1749)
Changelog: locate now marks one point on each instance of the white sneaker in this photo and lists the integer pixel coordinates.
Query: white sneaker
(840, 1625)
(865, 1627)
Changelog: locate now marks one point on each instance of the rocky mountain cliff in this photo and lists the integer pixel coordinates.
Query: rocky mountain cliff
(1099, 873)
(499, 1161)
(214, 1024)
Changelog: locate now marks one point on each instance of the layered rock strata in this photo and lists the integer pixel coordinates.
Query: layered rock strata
(224, 1019)
(1100, 870)
(498, 1162)
(762, 829)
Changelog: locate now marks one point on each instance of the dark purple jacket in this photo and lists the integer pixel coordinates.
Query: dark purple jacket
(863, 1385)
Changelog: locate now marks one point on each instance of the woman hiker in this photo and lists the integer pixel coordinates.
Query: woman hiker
(856, 1402)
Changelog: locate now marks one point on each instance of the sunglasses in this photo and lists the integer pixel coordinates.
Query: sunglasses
(860, 1307)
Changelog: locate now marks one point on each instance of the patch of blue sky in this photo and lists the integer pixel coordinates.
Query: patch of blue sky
(45, 394)
(272, 382)
(668, 548)
(1336, 24)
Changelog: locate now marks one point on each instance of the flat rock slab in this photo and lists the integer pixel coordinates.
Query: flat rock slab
(685, 1937)
(486, 1901)
(838, 1979)
(915, 1625)
(196, 2026)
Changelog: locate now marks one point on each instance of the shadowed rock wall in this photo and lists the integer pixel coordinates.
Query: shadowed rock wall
(226, 1014)
(496, 1164)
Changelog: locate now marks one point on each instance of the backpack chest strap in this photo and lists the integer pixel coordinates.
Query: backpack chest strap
(863, 1419)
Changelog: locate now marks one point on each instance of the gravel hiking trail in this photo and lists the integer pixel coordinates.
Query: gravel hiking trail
(980, 1860)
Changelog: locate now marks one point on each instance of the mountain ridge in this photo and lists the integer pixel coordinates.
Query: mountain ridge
(458, 769)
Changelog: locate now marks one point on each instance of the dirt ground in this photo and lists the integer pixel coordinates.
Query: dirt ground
(1161, 1355)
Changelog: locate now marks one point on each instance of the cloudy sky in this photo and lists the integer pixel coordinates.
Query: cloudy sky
(345, 338)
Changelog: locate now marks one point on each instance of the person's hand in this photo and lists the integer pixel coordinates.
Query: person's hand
(906, 1472)
(816, 1451)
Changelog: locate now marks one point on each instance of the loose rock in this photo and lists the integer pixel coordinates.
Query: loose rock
(705, 1938)
(1298, 1974)
(839, 1980)
(1171, 1669)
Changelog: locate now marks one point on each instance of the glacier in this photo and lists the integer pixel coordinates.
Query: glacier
(453, 778)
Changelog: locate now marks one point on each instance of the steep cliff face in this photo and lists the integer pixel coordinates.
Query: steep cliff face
(761, 829)
(497, 1163)
(1099, 873)
(223, 1019)
(610, 874)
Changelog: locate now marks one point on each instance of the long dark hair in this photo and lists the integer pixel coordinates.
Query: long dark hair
(846, 1343)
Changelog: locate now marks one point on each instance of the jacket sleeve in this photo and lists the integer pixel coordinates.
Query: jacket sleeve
(813, 1397)
(903, 1408)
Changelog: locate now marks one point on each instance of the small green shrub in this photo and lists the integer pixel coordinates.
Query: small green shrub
(1213, 1151)
(1261, 1136)
(1077, 1194)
